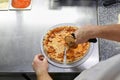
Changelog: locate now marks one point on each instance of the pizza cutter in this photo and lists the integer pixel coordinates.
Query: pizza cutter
(65, 56)
(70, 40)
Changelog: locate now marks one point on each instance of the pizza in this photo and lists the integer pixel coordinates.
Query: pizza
(54, 44)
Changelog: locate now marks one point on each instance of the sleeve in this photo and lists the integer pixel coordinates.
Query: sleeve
(105, 70)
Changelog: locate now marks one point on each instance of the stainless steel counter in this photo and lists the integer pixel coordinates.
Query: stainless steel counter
(21, 32)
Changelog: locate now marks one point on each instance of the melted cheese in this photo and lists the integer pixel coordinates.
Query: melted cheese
(54, 45)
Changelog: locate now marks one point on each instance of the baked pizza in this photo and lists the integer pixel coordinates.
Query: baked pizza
(54, 44)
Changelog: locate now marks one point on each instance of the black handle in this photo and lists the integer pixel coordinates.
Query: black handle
(109, 2)
(94, 40)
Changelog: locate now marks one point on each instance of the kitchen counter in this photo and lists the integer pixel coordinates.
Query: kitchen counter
(108, 15)
(20, 41)
(108, 48)
(21, 33)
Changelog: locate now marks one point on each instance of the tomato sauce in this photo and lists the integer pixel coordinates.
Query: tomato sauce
(21, 3)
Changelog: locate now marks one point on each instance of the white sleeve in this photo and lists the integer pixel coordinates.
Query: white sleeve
(105, 70)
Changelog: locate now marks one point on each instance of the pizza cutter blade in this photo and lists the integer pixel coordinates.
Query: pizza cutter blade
(64, 61)
(70, 41)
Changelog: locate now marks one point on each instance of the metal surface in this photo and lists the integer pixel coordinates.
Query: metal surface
(65, 56)
(21, 32)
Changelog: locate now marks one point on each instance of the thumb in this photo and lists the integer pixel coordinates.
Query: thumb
(45, 59)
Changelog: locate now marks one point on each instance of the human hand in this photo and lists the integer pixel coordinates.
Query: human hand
(40, 65)
(83, 34)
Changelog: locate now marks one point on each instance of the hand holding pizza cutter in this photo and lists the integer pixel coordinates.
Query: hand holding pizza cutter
(70, 40)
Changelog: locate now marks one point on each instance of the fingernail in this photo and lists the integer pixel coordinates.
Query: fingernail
(41, 57)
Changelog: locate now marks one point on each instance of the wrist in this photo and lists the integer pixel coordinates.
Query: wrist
(42, 73)
(94, 32)
(44, 76)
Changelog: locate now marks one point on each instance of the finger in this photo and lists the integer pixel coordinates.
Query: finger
(39, 54)
(45, 59)
(77, 41)
(41, 57)
(38, 57)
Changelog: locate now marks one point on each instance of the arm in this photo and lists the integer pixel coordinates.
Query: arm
(40, 66)
(44, 76)
(111, 32)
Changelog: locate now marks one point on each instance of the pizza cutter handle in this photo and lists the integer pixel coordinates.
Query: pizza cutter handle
(94, 40)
